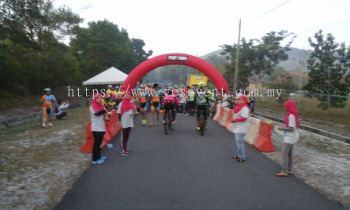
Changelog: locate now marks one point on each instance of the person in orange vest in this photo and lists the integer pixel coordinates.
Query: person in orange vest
(144, 105)
(155, 105)
(48, 104)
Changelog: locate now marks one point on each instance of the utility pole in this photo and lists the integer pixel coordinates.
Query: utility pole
(237, 57)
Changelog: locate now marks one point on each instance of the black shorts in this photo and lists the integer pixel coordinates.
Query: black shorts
(192, 104)
(48, 111)
(143, 105)
(155, 104)
(169, 107)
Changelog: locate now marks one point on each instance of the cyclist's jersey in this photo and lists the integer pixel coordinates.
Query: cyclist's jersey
(201, 99)
(169, 102)
(143, 99)
(111, 93)
(169, 99)
(120, 93)
(155, 99)
(47, 101)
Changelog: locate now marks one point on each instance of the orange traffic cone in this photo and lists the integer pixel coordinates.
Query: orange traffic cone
(89, 140)
(264, 141)
(229, 118)
(107, 138)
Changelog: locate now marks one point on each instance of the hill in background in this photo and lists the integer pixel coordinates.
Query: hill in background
(178, 75)
(297, 59)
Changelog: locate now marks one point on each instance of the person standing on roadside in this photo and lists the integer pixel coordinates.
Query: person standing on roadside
(240, 123)
(183, 100)
(291, 136)
(191, 100)
(98, 115)
(126, 110)
(48, 105)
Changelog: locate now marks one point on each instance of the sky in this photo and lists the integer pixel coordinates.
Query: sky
(198, 27)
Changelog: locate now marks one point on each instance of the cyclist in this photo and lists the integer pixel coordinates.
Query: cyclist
(169, 106)
(202, 103)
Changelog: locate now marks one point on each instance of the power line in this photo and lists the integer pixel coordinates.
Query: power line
(267, 12)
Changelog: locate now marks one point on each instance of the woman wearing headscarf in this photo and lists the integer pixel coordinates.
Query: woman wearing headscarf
(98, 115)
(240, 123)
(291, 136)
(125, 112)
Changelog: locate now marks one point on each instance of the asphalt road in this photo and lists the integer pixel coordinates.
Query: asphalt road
(187, 171)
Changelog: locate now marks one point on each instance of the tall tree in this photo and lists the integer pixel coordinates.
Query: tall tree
(328, 63)
(139, 53)
(257, 57)
(30, 52)
(35, 22)
(102, 45)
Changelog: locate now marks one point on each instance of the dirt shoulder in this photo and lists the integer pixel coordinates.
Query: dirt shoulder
(320, 162)
(41, 162)
(343, 130)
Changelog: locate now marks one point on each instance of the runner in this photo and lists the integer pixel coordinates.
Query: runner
(155, 105)
(144, 105)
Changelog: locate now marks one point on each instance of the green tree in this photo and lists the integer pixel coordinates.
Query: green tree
(34, 23)
(327, 64)
(257, 57)
(102, 45)
(139, 53)
(31, 55)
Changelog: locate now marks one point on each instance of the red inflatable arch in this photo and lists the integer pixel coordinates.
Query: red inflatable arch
(176, 59)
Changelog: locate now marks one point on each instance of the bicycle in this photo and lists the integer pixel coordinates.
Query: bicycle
(168, 122)
(202, 122)
(202, 125)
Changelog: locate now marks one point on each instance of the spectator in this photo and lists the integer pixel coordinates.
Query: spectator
(183, 100)
(62, 109)
(291, 136)
(126, 110)
(191, 100)
(98, 115)
(240, 120)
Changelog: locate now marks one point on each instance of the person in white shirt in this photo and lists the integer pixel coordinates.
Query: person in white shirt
(62, 109)
(126, 110)
(98, 115)
(183, 100)
(291, 136)
(240, 120)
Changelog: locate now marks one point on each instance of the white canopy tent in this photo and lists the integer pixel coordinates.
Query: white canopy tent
(109, 76)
